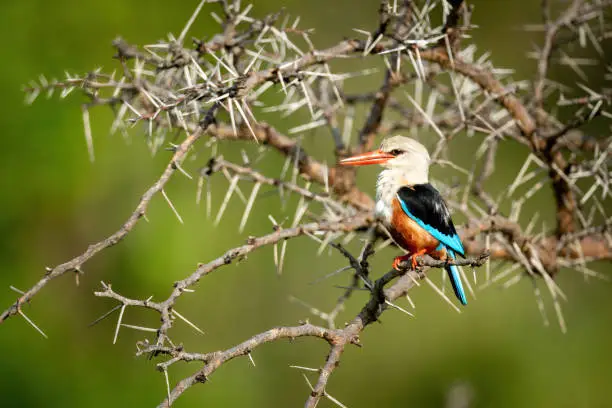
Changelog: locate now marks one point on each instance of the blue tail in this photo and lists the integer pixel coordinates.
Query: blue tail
(453, 274)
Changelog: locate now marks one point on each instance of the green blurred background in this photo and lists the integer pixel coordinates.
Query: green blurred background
(497, 351)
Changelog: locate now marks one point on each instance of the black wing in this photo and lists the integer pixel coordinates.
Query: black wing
(424, 204)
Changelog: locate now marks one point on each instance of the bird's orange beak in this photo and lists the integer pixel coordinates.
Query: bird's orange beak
(375, 157)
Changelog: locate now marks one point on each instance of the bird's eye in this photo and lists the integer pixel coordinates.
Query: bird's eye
(396, 152)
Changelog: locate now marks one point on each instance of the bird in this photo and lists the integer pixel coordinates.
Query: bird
(410, 208)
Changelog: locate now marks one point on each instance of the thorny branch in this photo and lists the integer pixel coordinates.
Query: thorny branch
(380, 298)
(432, 82)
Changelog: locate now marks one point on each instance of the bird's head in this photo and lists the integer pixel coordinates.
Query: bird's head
(394, 152)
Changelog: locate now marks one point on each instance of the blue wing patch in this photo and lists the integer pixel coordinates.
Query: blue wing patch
(424, 204)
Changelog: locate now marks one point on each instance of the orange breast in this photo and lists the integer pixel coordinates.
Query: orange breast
(410, 235)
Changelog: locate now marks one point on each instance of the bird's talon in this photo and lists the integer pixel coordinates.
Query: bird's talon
(413, 258)
(398, 260)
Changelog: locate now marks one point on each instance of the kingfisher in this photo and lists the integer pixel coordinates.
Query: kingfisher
(412, 210)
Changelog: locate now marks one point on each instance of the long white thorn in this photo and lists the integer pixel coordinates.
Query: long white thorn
(167, 386)
(239, 192)
(183, 318)
(275, 249)
(372, 45)
(208, 197)
(281, 259)
(420, 61)
(426, 116)
(140, 328)
(246, 120)
(255, 58)
(409, 299)
(307, 126)
(540, 303)
(307, 96)
(305, 368)
(88, 136)
(119, 323)
(27, 319)
(227, 67)
(232, 119)
(251, 358)
(439, 292)
(226, 199)
(249, 206)
(458, 97)
(401, 309)
(282, 81)
(172, 206)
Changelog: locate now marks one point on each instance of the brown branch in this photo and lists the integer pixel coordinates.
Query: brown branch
(592, 245)
(564, 196)
(331, 363)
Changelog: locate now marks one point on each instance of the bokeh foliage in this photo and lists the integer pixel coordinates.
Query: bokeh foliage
(56, 202)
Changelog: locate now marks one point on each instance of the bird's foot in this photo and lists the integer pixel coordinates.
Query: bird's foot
(398, 260)
(413, 257)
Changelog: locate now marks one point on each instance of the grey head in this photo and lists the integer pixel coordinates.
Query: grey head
(408, 153)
